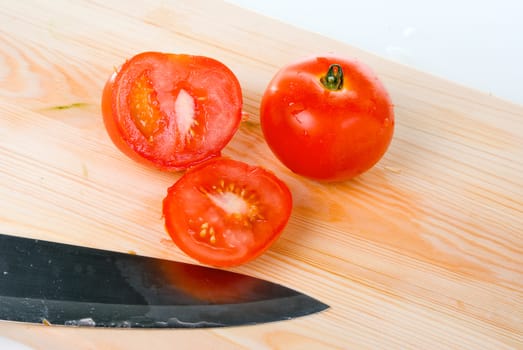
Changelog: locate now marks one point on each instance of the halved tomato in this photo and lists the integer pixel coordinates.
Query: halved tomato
(172, 111)
(224, 212)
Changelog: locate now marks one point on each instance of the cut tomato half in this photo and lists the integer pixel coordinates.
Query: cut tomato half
(225, 212)
(172, 111)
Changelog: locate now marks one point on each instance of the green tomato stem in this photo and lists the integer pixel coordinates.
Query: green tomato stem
(333, 80)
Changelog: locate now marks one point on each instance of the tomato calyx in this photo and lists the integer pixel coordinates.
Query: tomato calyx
(333, 80)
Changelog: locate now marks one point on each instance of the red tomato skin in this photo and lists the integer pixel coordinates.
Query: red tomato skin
(272, 193)
(322, 134)
(129, 141)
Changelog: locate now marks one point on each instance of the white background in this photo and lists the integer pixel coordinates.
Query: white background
(478, 44)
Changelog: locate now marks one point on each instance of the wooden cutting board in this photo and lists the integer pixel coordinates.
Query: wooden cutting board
(423, 251)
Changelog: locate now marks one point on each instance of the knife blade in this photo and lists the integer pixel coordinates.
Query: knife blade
(62, 284)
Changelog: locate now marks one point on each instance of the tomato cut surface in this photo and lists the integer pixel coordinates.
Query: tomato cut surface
(327, 118)
(172, 111)
(225, 212)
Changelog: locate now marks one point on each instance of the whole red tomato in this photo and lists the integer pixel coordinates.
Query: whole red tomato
(327, 118)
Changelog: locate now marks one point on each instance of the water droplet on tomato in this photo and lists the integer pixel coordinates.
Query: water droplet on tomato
(296, 107)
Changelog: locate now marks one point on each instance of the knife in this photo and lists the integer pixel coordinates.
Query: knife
(60, 284)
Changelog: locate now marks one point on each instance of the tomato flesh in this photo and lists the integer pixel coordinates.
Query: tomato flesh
(324, 134)
(172, 111)
(225, 212)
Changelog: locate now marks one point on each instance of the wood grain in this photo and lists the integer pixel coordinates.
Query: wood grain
(423, 251)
